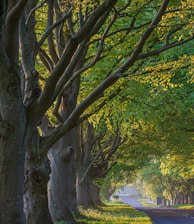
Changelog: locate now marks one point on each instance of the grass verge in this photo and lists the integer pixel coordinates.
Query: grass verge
(146, 202)
(113, 214)
(185, 206)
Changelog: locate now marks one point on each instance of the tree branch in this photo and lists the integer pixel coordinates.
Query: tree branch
(47, 96)
(46, 60)
(144, 37)
(164, 48)
(33, 10)
(11, 29)
(72, 119)
(100, 106)
(99, 153)
(52, 27)
(96, 58)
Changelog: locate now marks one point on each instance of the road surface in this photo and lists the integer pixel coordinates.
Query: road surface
(162, 215)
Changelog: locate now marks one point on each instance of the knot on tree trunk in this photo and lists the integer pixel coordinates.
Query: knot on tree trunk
(68, 152)
(36, 177)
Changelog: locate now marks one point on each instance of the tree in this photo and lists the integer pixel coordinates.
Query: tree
(34, 76)
(97, 147)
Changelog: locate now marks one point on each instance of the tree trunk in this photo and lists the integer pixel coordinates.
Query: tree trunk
(83, 163)
(36, 178)
(62, 184)
(59, 187)
(94, 194)
(74, 208)
(192, 197)
(12, 147)
(107, 192)
(88, 194)
(82, 193)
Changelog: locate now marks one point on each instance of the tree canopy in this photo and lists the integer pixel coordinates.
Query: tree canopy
(127, 64)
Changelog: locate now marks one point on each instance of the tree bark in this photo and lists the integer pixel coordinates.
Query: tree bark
(62, 184)
(74, 208)
(35, 189)
(88, 194)
(82, 193)
(59, 187)
(83, 162)
(93, 194)
(107, 192)
(12, 146)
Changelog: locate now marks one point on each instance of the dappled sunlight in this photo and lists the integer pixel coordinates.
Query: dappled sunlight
(113, 214)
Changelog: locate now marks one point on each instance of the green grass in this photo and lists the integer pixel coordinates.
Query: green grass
(146, 202)
(112, 214)
(185, 206)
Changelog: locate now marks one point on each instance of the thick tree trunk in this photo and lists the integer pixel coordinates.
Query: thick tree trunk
(12, 147)
(88, 194)
(94, 194)
(107, 192)
(37, 171)
(86, 139)
(74, 208)
(82, 193)
(192, 198)
(59, 187)
(62, 184)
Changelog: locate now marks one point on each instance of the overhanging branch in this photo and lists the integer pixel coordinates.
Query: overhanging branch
(135, 54)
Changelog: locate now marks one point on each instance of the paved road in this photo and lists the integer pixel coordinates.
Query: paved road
(131, 201)
(163, 215)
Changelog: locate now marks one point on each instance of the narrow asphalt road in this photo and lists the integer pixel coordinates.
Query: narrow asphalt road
(162, 215)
